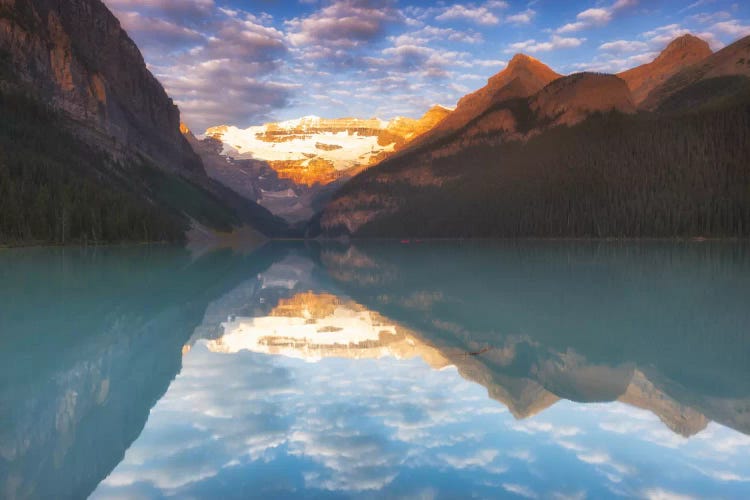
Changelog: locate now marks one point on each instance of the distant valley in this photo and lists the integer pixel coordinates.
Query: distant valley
(292, 167)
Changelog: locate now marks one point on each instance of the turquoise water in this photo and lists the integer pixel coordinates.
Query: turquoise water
(421, 370)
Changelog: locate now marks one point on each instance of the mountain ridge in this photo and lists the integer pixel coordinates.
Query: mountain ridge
(679, 53)
(734, 59)
(485, 144)
(522, 77)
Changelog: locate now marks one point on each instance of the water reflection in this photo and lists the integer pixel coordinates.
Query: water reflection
(91, 339)
(366, 371)
(585, 322)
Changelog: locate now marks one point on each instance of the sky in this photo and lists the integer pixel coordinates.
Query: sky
(247, 62)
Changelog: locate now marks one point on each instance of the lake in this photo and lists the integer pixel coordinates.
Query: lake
(382, 369)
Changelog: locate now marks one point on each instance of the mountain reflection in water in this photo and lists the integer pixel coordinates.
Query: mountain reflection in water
(365, 370)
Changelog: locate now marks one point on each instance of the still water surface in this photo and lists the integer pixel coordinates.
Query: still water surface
(441, 370)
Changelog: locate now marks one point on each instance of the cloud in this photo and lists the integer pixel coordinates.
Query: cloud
(520, 490)
(223, 64)
(554, 43)
(428, 34)
(733, 28)
(481, 15)
(697, 4)
(596, 17)
(185, 10)
(231, 67)
(710, 17)
(423, 61)
(152, 31)
(558, 431)
(524, 17)
(726, 476)
(662, 494)
(218, 91)
(343, 24)
(482, 458)
(578, 495)
(663, 35)
(522, 455)
(210, 59)
(623, 46)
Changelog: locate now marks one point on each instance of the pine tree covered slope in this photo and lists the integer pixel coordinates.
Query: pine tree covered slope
(90, 147)
(610, 176)
(56, 188)
(589, 165)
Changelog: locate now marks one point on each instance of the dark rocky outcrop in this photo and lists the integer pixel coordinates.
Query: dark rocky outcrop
(115, 136)
(76, 56)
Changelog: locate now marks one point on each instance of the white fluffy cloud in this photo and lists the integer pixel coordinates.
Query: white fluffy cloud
(555, 42)
(596, 16)
(342, 24)
(623, 46)
(481, 14)
(523, 17)
(225, 64)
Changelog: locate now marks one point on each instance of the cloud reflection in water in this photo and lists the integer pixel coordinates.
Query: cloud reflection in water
(387, 414)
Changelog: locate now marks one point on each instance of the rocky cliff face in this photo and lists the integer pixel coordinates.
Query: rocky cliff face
(571, 99)
(680, 53)
(75, 55)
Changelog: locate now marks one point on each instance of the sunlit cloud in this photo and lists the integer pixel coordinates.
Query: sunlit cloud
(229, 63)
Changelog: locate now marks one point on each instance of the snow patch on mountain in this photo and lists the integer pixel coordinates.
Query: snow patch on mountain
(344, 149)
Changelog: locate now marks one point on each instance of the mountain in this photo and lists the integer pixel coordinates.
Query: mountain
(293, 167)
(680, 53)
(516, 370)
(574, 159)
(98, 135)
(572, 99)
(719, 76)
(522, 77)
(313, 150)
(76, 55)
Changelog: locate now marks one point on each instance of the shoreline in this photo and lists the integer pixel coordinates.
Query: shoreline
(402, 240)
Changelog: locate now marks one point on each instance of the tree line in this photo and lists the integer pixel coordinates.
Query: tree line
(612, 176)
(56, 189)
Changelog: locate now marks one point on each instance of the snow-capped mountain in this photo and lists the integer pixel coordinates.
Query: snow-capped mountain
(293, 167)
(313, 150)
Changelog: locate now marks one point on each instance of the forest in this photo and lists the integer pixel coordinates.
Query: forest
(660, 175)
(56, 189)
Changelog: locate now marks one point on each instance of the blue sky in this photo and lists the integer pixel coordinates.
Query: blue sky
(244, 62)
